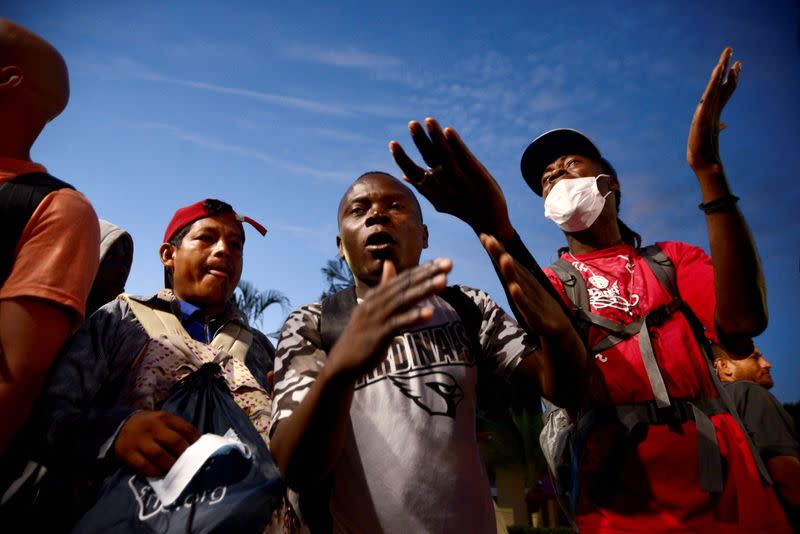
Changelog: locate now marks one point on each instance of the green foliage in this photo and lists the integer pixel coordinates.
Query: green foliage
(509, 422)
(253, 302)
(337, 276)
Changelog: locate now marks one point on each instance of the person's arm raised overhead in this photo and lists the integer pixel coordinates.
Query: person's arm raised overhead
(741, 310)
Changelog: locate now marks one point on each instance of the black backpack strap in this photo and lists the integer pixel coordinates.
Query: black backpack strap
(334, 315)
(469, 312)
(662, 267)
(575, 289)
(19, 198)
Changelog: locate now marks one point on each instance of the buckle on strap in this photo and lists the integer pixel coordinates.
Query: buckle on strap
(660, 314)
(677, 412)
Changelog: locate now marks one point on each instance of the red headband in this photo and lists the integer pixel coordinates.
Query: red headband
(197, 211)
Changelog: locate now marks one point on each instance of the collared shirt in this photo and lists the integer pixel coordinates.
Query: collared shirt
(194, 321)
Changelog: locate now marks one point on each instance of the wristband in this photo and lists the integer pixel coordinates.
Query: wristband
(726, 203)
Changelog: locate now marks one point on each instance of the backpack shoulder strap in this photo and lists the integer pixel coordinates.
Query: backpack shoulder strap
(233, 339)
(662, 267)
(468, 311)
(155, 322)
(334, 315)
(19, 198)
(574, 285)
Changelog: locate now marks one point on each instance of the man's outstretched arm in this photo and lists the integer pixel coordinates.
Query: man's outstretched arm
(458, 183)
(738, 279)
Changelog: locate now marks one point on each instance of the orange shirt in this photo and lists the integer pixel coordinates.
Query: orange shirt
(58, 252)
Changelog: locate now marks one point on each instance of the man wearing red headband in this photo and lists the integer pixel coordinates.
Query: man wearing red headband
(101, 410)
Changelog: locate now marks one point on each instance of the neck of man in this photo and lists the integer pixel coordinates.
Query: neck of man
(363, 286)
(604, 233)
(16, 142)
(10, 149)
(208, 311)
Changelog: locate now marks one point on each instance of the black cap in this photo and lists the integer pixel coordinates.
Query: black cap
(550, 146)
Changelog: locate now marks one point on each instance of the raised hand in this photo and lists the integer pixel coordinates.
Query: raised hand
(539, 312)
(702, 150)
(151, 441)
(456, 182)
(386, 310)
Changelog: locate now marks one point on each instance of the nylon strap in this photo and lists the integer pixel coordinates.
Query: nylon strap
(334, 315)
(708, 456)
(651, 367)
(232, 338)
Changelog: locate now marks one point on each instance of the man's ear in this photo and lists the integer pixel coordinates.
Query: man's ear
(339, 247)
(167, 254)
(424, 236)
(613, 183)
(724, 368)
(10, 76)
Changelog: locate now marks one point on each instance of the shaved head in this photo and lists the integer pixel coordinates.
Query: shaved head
(33, 78)
(378, 175)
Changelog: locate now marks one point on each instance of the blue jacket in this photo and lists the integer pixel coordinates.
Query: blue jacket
(78, 412)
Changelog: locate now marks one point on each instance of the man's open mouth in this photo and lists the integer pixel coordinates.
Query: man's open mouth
(379, 241)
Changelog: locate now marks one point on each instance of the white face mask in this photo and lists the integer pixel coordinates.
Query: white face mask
(574, 204)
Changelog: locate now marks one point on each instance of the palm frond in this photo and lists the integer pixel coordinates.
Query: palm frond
(254, 302)
(337, 275)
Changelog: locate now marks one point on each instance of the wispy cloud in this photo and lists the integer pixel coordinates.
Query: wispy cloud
(219, 146)
(280, 100)
(320, 238)
(342, 136)
(126, 67)
(350, 58)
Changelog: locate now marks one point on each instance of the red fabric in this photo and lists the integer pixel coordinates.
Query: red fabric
(197, 211)
(655, 487)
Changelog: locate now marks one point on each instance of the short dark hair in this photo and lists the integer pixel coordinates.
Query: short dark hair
(368, 173)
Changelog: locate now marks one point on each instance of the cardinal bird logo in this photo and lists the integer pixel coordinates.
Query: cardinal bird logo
(435, 392)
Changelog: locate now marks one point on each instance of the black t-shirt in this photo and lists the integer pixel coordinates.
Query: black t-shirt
(770, 427)
(768, 423)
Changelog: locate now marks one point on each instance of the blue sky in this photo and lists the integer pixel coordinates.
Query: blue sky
(277, 106)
